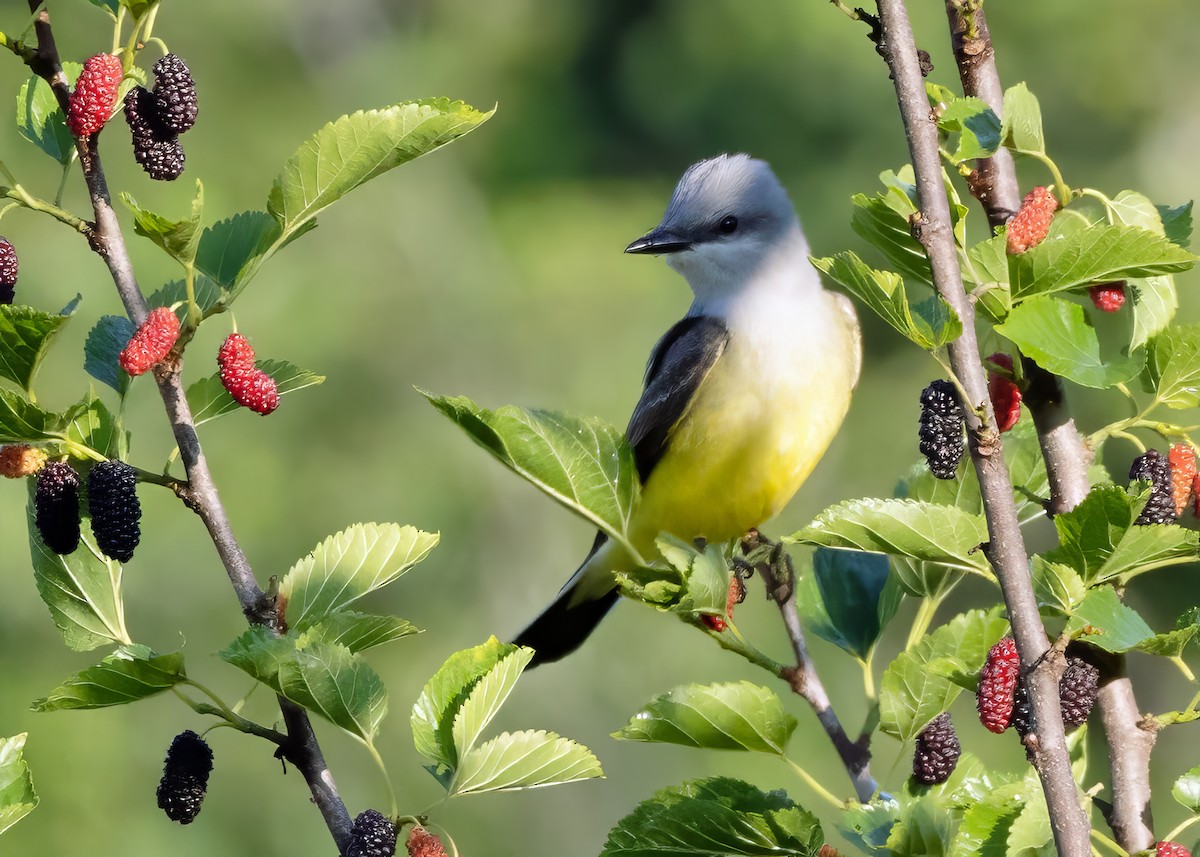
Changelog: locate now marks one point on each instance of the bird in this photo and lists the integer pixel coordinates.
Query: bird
(741, 397)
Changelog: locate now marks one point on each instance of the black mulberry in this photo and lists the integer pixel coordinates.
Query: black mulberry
(185, 777)
(115, 510)
(941, 429)
(8, 271)
(1153, 467)
(156, 149)
(937, 751)
(373, 835)
(1022, 713)
(174, 95)
(1077, 692)
(56, 504)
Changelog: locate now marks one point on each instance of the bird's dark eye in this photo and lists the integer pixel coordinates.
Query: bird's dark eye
(728, 225)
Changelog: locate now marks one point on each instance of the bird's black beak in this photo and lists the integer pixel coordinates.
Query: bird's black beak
(659, 242)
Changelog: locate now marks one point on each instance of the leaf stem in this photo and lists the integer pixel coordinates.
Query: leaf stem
(387, 780)
(21, 196)
(1179, 828)
(813, 783)
(1108, 843)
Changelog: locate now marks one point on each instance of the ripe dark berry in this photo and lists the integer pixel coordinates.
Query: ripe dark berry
(1108, 297)
(1031, 224)
(56, 505)
(997, 683)
(941, 428)
(1152, 467)
(18, 460)
(174, 95)
(422, 843)
(185, 777)
(115, 510)
(1077, 692)
(372, 835)
(1004, 393)
(8, 271)
(151, 343)
(1182, 460)
(1170, 849)
(156, 149)
(95, 95)
(250, 386)
(937, 751)
(1022, 712)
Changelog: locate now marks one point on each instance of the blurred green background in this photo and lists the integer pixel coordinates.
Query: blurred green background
(494, 269)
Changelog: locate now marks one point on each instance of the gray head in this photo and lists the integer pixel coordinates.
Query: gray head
(726, 213)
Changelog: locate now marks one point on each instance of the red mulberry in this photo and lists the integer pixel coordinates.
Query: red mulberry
(997, 683)
(152, 342)
(1182, 460)
(115, 510)
(250, 386)
(1004, 393)
(1108, 297)
(422, 843)
(1031, 224)
(185, 777)
(95, 95)
(18, 460)
(1170, 849)
(56, 505)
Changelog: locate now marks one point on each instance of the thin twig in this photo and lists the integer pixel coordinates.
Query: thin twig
(1006, 547)
(107, 240)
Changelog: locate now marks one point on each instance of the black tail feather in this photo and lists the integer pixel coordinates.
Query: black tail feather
(561, 629)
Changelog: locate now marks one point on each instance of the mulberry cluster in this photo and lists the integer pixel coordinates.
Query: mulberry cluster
(1108, 297)
(151, 343)
(997, 684)
(1152, 467)
(18, 460)
(937, 751)
(1077, 692)
(8, 271)
(1031, 224)
(56, 507)
(1182, 460)
(1171, 849)
(250, 386)
(115, 510)
(157, 117)
(941, 429)
(372, 835)
(185, 777)
(422, 843)
(1004, 392)
(95, 95)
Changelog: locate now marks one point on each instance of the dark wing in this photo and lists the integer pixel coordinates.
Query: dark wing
(677, 366)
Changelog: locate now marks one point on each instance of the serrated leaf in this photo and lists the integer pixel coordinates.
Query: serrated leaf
(349, 565)
(1057, 586)
(21, 421)
(1177, 223)
(127, 675)
(524, 760)
(25, 336)
(1022, 126)
(852, 597)
(17, 795)
(332, 681)
(433, 713)
(231, 248)
(985, 824)
(209, 399)
(82, 590)
(177, 238)
(929, 325)
(924, 827)
(977, 125)
(485, 699)
(869, 825)
(359, 631)
(94, 426)
(354, 149)
(1107, 623)
(1186, 791)
(1172, 643)
(1068, 260)
(716, 817)
(1154, 304)
(208, 293)
(705, 575)
(922, 531)
(878, 222)
(104, 344)
(911, 694)
(40, 119)
(1173, 370)
(1031, 832)
(259, 653)
(1060, 338)
(733, 716)
(584, 464)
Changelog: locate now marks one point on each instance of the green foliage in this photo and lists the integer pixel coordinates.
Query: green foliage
(1117, 628)
(130, 673)
(734, 716)
(177, 238)
(40, 119)
(25, 336)
(104, 344)
(1187, 791)
(208, 398)
(17, 796)
(849, 599)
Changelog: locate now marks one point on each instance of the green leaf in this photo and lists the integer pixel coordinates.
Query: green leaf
(435, 710)
(485, 699)
(584, 464)
(1172, 643)
(869, 825)
(1173, 370)
(705, 575)
(40, 119)
(1022, 126)
(1057, 586)
(138, 8)
(209, 399)
(349, 565)
(977, 125)
(231, 248)
(733, 716)
(1060, 338)
(1135, 209)
(1154, 305)
(715, 817)
(111, 6)
(354, 149)
(330, 680)
(208, 293)
(524, 760)
(878, 222)
(104, 344)
(130, 673)
(929, 325)
(21, 421)
(260, 653)
(25, 336)
(1177, 223)
(17, 796)
(852, 597)
(1110, 624)
(912, 694)
(93, 425)
(923, 531)
(986, 824)
(178, 238)
(358, 631)
(1187, 791)
(82, 590)
(1068, 260)
(1031, 832)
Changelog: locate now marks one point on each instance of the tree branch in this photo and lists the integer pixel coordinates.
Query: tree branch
(107, 240)
(1006, 548)
(1064, 450)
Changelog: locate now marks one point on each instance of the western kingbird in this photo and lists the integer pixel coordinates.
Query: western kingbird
(741, 398)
